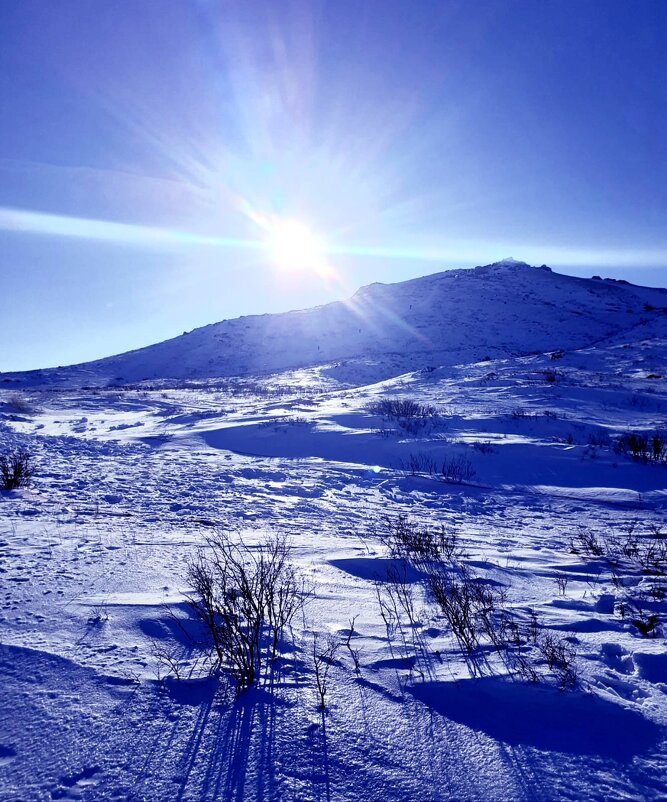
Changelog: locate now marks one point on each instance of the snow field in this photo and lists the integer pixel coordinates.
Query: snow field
(129, 482)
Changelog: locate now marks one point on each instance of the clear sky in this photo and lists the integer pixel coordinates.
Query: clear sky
(149, 150)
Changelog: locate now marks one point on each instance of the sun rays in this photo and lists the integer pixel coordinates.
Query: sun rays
(293, 246)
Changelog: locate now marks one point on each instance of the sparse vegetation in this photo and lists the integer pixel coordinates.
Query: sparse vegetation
(16, 470)
(19, 404)
(408, 414)
(401, 408)
(99, 613)
(643, 447)
(551, 376)
(324, 656)
(628, 558)
(455, 469)
(246, 598)
(483, 446)
(476, 611)
(354, 653)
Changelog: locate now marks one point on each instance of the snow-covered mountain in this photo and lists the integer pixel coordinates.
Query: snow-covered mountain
(506, 308)
(536, 481)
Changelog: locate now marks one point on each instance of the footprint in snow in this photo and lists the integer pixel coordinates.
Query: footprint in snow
(72, 784)
(7, 754)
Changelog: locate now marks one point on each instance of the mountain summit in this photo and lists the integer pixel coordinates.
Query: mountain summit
(505, 308)
(510, 261)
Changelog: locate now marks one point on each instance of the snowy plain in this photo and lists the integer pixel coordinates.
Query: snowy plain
(267, 424)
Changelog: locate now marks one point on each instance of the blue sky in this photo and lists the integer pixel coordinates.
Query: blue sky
(143, 143)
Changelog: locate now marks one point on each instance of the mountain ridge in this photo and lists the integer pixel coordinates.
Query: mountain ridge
(504, 308)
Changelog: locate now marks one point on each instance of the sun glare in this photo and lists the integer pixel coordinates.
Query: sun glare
(293, 246)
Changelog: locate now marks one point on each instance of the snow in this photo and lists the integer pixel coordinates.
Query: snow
(242, 426)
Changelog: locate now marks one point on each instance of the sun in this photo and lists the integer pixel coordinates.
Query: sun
(293, 246)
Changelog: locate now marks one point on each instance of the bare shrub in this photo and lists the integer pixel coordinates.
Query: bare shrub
(354, 653)
(397, 602)
(420, 463)
(410, 415)
(20, 405)
(588, 543)
(465, 603)
(401, 408)
(245, 598)
(643, 447)
(646, 624)
(457, 470)
(420, 545)
(626, 558)
(477, 612)
(15, 469)
(560, 657)
(324, 656)
(483, 446)
(168, 660)
(99, 613)
(550, 376)
(599, 440)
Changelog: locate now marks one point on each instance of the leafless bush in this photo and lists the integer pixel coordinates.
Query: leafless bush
(652, 557)
(420, 545)
(630, 550)
(483, 446)
(599, 440)
(633, 552)
(99, 613)
(388, 611)
(15, 469)
(646, 624)
(324, 656)
(476, 611)
(643, 447)
(168, 660)
(245, 597)
(587, 542)
(466, 604)
(410, 415)
(20, 404)
(420, 463)
(560, 657)
(397, 602)
(457, 470)
(550, 376)
(401, 408)
(354, 653)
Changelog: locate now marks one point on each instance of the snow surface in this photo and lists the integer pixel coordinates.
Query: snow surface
(263, 424)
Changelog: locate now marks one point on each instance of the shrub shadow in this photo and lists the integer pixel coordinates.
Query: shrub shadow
(542, 717)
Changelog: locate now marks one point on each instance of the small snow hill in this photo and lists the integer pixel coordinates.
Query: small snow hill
(504, 309)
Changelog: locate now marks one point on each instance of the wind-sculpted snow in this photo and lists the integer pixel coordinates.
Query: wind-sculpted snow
(107, 692)
(542, 718)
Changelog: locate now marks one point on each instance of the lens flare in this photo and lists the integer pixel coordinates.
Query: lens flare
(293, 246)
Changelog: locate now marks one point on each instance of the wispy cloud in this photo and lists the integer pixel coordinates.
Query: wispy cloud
(454, 252)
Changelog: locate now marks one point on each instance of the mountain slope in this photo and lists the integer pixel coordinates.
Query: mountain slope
(459, 315)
